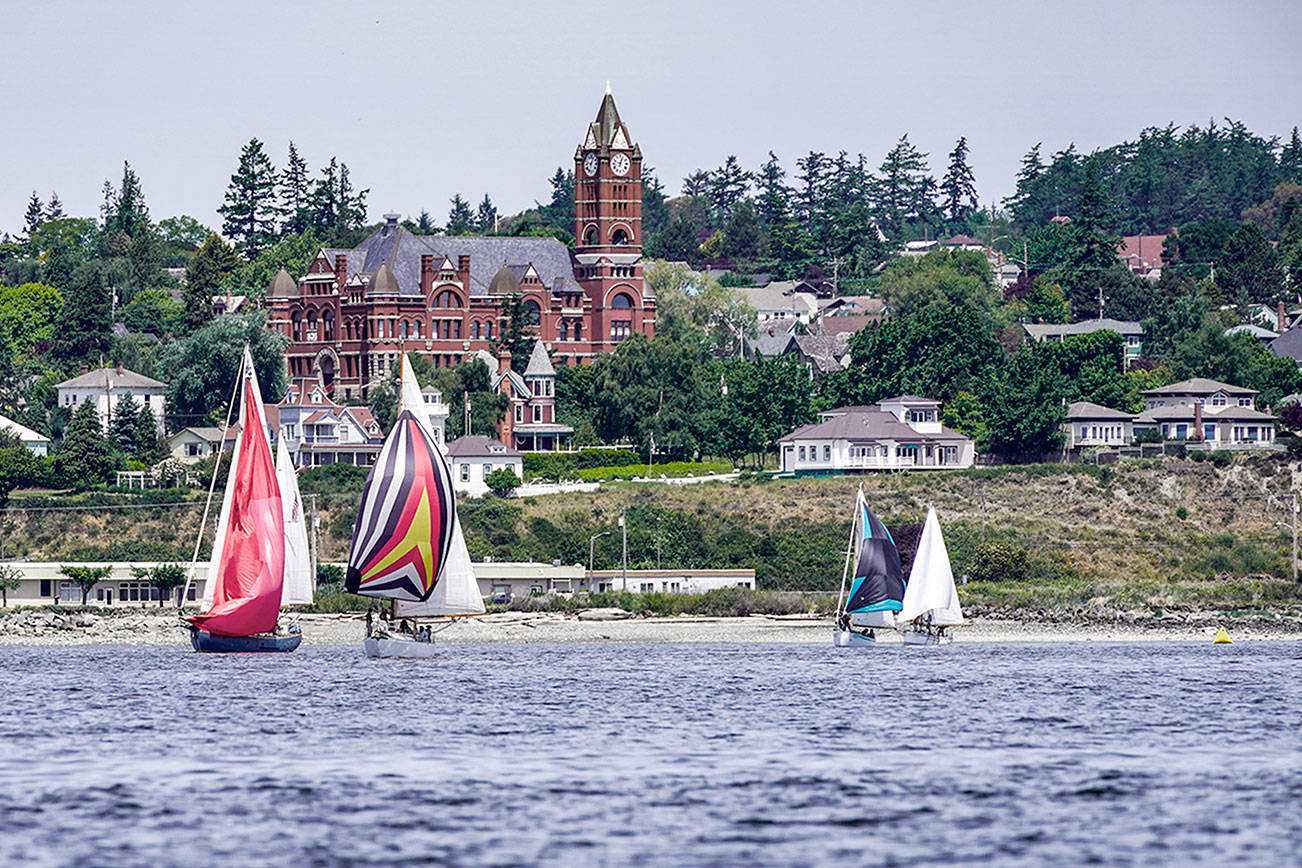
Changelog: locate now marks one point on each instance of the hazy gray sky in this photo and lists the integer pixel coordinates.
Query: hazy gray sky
(423, 100)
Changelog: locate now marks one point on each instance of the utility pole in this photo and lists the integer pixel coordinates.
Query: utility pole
(836, 272)
(1101, 302)
(658, 517)
(592, 543)
(623, 527)
(983, 516)
(1293, 522)
(465, 418)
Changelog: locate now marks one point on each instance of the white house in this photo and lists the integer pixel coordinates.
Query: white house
(1092, 425)
(1215, 413)
(474, 457)
(319, 431)
(902, 433)
(1132, 333)
(107, 386)
(36, 442)
(669, 581)
(781, 301)
(194, 444)
(436, 412)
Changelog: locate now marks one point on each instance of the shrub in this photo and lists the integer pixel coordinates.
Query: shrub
(502, 481)
(333, 479)
(329, 574)
(993, 562)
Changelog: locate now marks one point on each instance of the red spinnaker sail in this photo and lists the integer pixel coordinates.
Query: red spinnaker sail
(246, 594)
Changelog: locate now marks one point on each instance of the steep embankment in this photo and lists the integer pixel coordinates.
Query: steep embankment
(1162, 535)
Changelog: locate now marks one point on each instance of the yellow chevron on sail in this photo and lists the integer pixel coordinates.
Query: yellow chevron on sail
(416, 537)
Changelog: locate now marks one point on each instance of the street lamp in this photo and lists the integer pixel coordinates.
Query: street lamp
(592, 543)
(1026, 261)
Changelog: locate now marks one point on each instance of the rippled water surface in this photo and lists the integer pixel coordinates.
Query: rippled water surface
(654, 754)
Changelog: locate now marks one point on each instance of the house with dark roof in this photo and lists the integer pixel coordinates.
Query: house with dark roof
(823, 354)
(473, 457)
(902, 433)
(349, 318)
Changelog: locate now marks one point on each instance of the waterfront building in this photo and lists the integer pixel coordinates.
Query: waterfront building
(356, 309)
(902, 433)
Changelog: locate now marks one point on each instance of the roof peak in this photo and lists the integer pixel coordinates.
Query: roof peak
(539, 364)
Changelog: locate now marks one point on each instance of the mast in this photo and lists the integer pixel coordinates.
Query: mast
(849, 552)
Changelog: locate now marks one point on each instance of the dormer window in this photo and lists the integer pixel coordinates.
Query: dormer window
(1219, 400)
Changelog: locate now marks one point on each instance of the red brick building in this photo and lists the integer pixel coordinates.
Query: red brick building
(355, 310)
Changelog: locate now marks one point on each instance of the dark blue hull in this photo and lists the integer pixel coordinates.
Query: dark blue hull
(202, 640)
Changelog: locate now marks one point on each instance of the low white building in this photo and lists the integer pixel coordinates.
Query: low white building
(107, 386)
(1095, 426)
(474, 457)
(36, 442)
(902, 433)
(42, 583)
(669, 581)
(194, 444)
(781, 301)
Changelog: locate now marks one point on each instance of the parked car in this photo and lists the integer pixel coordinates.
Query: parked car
(501, 598)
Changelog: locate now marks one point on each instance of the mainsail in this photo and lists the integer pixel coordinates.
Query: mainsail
(931, 594)
(878, 584)
(405, 524)
(242, 593)
(299, 578)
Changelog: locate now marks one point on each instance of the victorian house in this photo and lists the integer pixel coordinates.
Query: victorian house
(356, 309)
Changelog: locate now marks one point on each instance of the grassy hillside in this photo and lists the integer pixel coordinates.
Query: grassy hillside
(1171, 534)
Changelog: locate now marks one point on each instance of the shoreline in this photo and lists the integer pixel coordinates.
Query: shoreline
(43, 628)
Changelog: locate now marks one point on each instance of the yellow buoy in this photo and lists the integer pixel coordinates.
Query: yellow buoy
(1222, 638)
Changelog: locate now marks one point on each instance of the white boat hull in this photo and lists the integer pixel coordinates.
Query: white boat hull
(851, 639)
(912, 637)
(399, 648)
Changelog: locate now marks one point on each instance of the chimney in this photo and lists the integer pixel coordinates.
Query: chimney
(504, 362)
(1198, 421)
(1282, 318)
(119, 368)
(463, 271)
(85, 369)
(341, 270)
(426, 272)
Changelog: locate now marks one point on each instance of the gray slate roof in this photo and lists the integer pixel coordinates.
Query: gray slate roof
(1198, 386)
(1289, 344)
(119, 379)
(1088, 410)
(394, 246)
(539, 365)
(864, 425)
(1210, 414)
(1089, 326)
(478, 446)
(824, 351)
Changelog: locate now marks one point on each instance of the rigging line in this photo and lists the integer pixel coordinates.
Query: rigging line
(212, 486)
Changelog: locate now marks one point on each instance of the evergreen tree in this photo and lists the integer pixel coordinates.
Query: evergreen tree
(352, 204)
(460, 218)
(35, 215)
(203, 279)
(295, 195)
(559, 212)
(150, 448)
(1022, 203)
(249, 209)
(423, 225)
(125, 424)
(727, 185)
(486, 216)
(677, 242)
(325, 198)
(83, 325)
(1290, 159)
(904, 189)
(697, 184)
(774, 201)
(958, 189)
(84, 458)
(814, 170)
(517, 329)
(655, 210)
(54, 209)
(743, 235)
(124, 209)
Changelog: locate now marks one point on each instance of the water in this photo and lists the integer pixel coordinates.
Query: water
(654, 754)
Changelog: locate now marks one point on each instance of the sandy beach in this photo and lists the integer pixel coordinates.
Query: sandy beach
(154, 628)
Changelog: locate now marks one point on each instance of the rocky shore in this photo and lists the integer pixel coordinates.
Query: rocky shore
(151, 627)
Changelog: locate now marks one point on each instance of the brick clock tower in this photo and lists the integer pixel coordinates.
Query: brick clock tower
(608, 229)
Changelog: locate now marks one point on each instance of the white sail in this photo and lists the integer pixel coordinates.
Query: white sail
(931, 590)
(299, 580)
(457, 592)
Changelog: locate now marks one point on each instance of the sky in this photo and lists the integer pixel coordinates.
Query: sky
(426, 99)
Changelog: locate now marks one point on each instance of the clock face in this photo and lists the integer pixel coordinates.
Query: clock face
(590, 165)
(619, 164)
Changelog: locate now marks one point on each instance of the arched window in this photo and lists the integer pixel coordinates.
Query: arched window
(474, 331)
(619, 236)
(590, 237)
(621, 301)
(447, 298)
(565, 331)
(404, 330)
(533, 313)
(297, 326)
(417, 325)
(488, 330)
(328, 325)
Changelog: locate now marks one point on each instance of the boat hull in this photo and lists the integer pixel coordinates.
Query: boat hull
(204, 641)
(912, 637)
(851, 639)
(390, 647)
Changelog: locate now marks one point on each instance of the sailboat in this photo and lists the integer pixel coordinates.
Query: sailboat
(407, 543)
(300, 569)
(876, 591)
(246, 573)
(930, 599)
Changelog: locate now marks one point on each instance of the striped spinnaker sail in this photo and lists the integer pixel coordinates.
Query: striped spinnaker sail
(404, 526)
(878, 584)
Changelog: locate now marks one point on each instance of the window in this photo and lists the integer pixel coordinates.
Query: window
(519, 413)
(474, 331)
(620, 330)
(648, 587)
(1218, 400)
(1245, 402)
(532, 312)
(827, 452)
(537, 413)
(45, 588)
(465, 473)
(802, 453)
